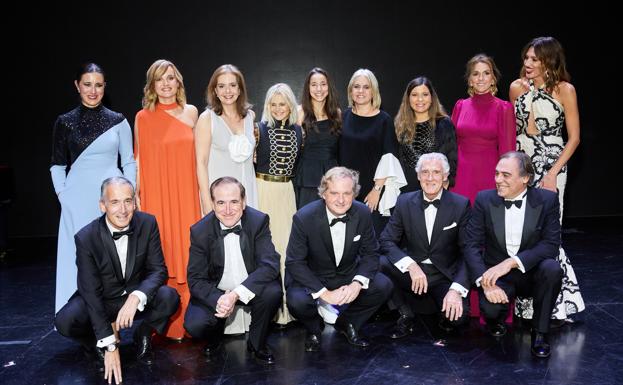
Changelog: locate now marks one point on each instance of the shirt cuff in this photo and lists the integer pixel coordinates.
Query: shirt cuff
(520, 267)
(362, 279)
(478, 281)
(244, 295)
(458, 287)
(318, 293)
(404, 263)
(142, 299)
(106, 341)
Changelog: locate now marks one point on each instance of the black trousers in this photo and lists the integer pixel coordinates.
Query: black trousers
(201, 323)
(542, 283)
(304, 308)
(73, 319)
(438, 286)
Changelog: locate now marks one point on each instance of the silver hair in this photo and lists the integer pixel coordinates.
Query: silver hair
(115, 180)
(433, 156)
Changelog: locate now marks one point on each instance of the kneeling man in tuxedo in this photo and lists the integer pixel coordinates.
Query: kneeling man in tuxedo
(513, 239)
(333, 255)
(232, 260)
(423, 248)
(120, 270)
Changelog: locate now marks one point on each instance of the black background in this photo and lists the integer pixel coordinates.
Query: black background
(274, 42)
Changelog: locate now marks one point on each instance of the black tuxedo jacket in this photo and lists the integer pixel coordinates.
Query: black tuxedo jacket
(310, 259)
(207, 256)
(407, 226)
(100, 277)
(486, 238)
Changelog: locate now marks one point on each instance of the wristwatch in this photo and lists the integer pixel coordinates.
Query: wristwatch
(378, 187)
(110, 348)
(359, 282)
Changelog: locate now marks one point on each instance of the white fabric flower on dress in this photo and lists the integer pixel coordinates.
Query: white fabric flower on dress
(240, 148)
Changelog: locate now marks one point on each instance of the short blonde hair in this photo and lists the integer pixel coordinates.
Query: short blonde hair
(285, 91)
(376, 93)
(155, 72)
(339, 173)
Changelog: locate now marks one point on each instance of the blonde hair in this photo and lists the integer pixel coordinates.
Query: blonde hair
(374, 84)
(285, 91)
(154, 73)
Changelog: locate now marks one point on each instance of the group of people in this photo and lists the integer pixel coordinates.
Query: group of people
(177, 156)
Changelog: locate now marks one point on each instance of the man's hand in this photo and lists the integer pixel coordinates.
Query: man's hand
(495, 294)
(419, 283)
(112, 366)
(226, 304)
(335, 297)
(452, 305)
(352, 291)
(490, 277)
(125, 317)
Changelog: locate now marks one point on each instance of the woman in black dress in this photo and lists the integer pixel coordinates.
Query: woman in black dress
(320, 117)
(423, 126)
(368, 144)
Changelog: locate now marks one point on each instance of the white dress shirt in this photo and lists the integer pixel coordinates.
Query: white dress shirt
(234, 271)
(430, 213)
(513, 228)
(338, 238)
(121, 245)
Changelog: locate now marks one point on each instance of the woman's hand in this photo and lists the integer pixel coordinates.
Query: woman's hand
(372, 199)
(548, 182)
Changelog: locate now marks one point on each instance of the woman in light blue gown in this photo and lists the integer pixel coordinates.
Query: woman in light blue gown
(86, 143)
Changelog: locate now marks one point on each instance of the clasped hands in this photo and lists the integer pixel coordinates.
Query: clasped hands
(226, 304)
(342, 295)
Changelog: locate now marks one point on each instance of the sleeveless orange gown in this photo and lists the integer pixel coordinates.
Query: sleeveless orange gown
(168, 189)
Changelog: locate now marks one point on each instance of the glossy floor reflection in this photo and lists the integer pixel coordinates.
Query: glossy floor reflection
(590, 351)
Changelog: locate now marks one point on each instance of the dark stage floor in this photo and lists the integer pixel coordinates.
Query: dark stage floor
(589, 351)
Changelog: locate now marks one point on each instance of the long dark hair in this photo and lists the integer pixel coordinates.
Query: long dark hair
(331, 106)
(404, 121)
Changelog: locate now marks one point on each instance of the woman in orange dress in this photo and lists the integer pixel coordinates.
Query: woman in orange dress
(167, 178)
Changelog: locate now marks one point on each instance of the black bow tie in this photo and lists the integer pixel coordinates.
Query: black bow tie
(236, 230)
(344, 219)
(435, 203)
(517, 203)
(118, 234)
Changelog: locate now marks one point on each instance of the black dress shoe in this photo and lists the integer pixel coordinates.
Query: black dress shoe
(403, 327)
(264, 354)
(142, 340)
(350, 333)
(312, 343)
(496, 329)
(212, 347)
(540, 346)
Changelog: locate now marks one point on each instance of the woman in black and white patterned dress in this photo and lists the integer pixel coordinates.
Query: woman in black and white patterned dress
(546, 104)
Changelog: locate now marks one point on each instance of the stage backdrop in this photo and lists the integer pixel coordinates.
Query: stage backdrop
(280, 42)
